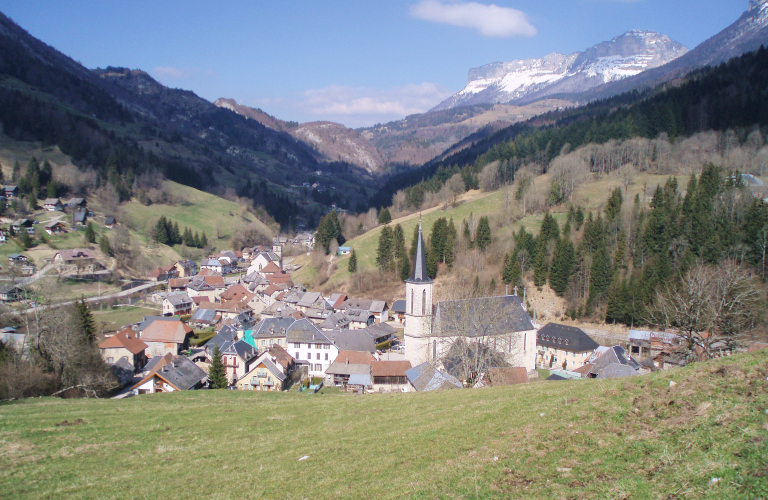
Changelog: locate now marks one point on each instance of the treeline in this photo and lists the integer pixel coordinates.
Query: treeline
(278, 205)
(615, 261)
(167, 233)
(440, 247)
(729, 96)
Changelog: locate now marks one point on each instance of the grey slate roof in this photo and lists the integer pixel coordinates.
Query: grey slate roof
(339, 368)
(242, 349)
(614, 355)
(426, 378)
(304, 331)
(379, 330)
(351, 340)
(398, 306)
(151, 364)
(272, 327)
(335, 321)
(363, 379)
(178, 299)
(183, 373)
(565, 337)
(420, 266)
(486, 316)
(208, 315)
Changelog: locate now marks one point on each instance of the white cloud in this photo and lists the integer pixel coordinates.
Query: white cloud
(357, 107)
(490, 21)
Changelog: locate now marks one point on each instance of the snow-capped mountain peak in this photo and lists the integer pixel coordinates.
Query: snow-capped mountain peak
(625, 55)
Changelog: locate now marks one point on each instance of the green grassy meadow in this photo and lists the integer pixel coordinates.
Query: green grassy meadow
(200, 211)
(629, 438)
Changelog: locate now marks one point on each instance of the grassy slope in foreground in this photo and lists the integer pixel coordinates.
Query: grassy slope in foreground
(635, 437)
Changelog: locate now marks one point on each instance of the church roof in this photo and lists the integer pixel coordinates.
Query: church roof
(420, 267)
(486, 316)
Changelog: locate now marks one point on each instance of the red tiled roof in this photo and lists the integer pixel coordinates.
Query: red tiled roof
(355, 357)
(166, 331)
(389, 368)
(126, 339)
(271, 268)
(199, 300)
(236, 292)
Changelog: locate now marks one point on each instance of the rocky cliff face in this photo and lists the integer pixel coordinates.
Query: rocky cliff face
(525, 80)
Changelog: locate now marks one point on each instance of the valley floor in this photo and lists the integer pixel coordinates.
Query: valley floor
(704, 437)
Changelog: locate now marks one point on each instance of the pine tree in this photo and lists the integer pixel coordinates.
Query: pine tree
(483, 235)
(613, 207)
(33, 201)
(432, 265)
(16, 173)
(104, 245)
(541, 260)
(579, 218)
(216, 374)
(203, 241)
(90, 233)
(161, 231)
(414, 243)
(405, 267)
(85, 320)
(449, 247)
(513, 272)
(52, 190)
(174, 235)
(563, 262)
(352, 266)
(385, 217)
(25, 239)
(467, 234)
(385, 250)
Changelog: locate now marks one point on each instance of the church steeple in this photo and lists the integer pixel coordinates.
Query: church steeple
(420, 267)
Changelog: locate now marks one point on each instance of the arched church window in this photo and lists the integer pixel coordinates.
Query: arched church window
(411, 301)
(423, 302)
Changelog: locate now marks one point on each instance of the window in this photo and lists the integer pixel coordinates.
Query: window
(326, 356)
(423, 302)
(297, 355)
(411, 301)
(318, 368)
(318, 356)
(110, 360)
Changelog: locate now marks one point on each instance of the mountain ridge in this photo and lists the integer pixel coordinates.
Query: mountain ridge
(625, 55)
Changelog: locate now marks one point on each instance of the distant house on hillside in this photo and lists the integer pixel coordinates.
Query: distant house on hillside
(55, 227)
(80, 219)
(11, 192)
(110, 222)
(79, 258)
(53, 205)
(10, 293)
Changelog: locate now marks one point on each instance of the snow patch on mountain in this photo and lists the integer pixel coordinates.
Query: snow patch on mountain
(624, 56)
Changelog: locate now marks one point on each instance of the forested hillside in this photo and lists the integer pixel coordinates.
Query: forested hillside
(731, 96)
(126, 127)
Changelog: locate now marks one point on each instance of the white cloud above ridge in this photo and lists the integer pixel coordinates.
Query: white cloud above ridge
(361, 106)
(490, 21)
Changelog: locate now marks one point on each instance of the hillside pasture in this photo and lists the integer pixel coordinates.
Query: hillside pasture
(705, 437)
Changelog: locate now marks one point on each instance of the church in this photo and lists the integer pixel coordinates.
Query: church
(498, 323)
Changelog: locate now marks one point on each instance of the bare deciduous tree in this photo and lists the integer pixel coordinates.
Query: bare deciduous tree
(626, 173)
(710, 308)
(473, 335)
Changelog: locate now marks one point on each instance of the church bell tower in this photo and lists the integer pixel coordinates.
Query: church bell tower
(418, 308)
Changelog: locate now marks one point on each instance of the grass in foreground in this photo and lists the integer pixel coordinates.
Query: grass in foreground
(630, 438)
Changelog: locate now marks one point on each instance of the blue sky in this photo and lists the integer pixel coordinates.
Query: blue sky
(349, 61)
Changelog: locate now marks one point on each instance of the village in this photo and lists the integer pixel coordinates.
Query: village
(271, 334)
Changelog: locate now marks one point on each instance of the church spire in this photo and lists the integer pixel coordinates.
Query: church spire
(420, 267)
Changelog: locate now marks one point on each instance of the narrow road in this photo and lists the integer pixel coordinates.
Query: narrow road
(117, 295)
